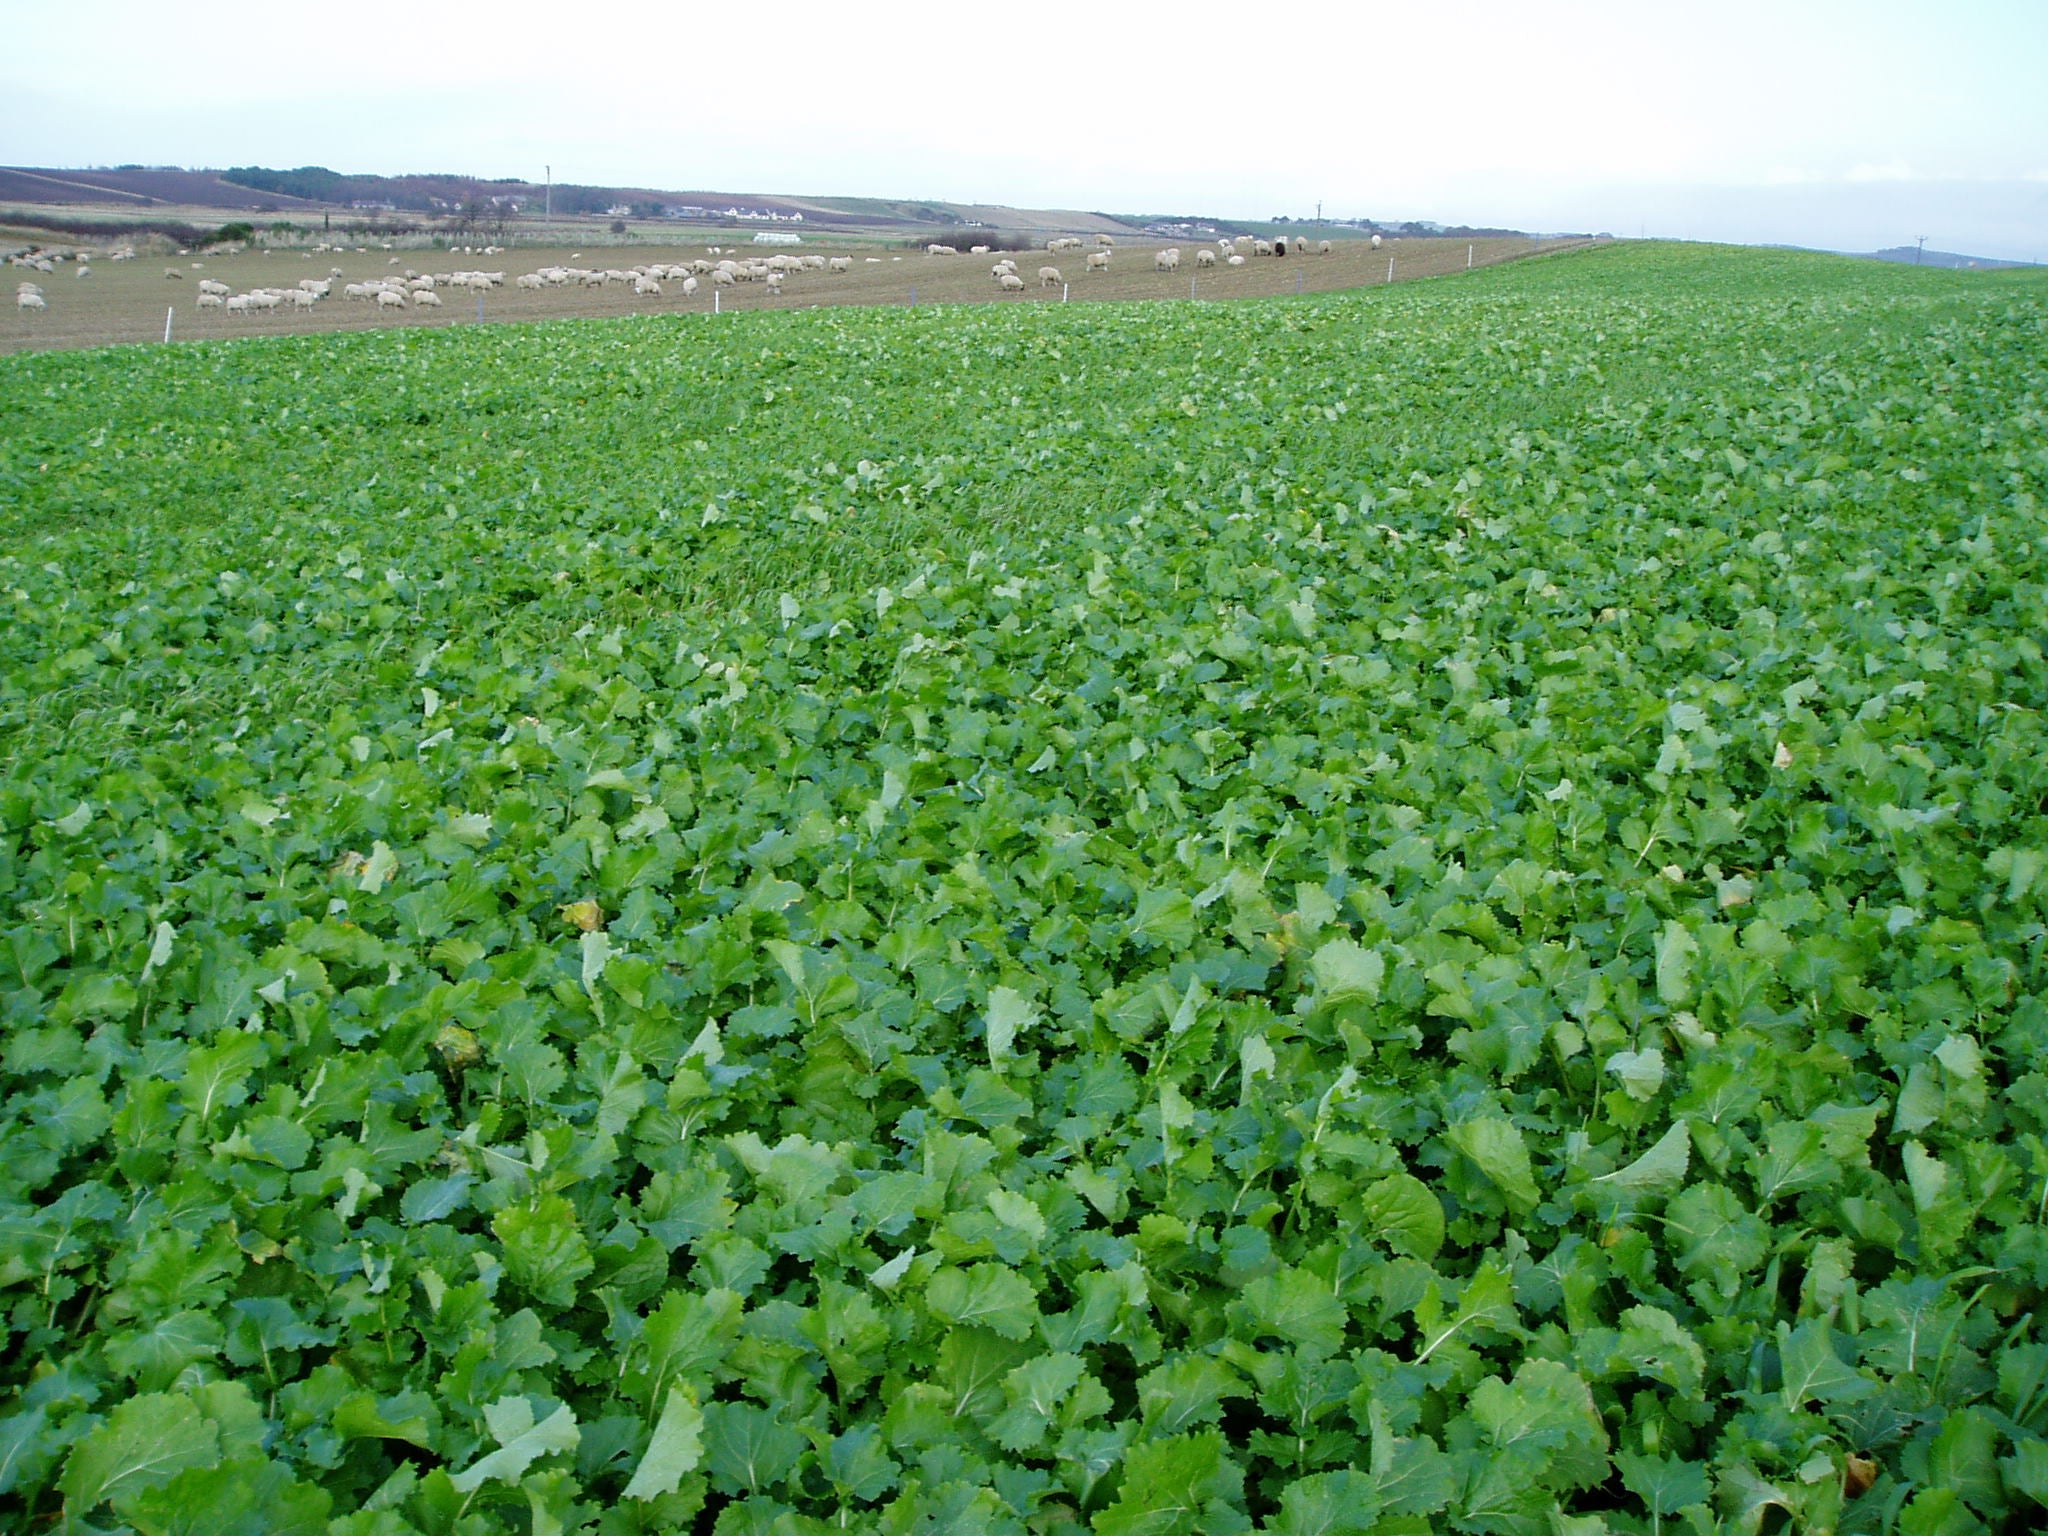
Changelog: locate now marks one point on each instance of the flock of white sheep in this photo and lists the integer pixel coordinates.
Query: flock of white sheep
(28, 293)
(423, 290)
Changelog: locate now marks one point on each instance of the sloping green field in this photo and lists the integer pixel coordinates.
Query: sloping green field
(1389, 913)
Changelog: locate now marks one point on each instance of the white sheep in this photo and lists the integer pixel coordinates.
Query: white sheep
(1322, 247)
(940, 250)
(1105, 240)
(774, 283)
(1205, 257)
(1375, 242)
(1167, 260)
(212, 301)
(723, 277)
(978, 250)
(646, 288)
(83, 270)
(841, 264)
(1098, 261)
(173, 272)
(1049, 277)
(428, 298)
(1012, 283)
(390, 298)
(689, 286)
(1234, 260)
(532, 280)
(30, 301)
(214, 286)
(1263, 248)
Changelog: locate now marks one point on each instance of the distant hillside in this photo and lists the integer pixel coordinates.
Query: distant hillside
(1913, 256)
(315, 189)
(136, 186)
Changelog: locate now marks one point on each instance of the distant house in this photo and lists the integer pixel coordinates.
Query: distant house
(777, 237)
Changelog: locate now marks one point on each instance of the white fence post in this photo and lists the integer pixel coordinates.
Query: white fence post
(167, 323)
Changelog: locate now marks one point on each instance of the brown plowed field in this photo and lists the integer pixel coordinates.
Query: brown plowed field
(125, 301)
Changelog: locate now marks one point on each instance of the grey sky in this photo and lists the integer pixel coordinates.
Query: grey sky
(1849, 124)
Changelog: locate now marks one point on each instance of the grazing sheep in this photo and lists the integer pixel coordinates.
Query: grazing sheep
(1002, 269)
(689, 286)
(977, 250)
(841, 264)
(1322, 247)
(83, 270)
(723, 277)
(428, 298)
(1234, 260)
(1375, 242)
(1049, 277)
(1205, 257)
(213, 285)
(30, 301)
(173, 272)
(940, 250)
(1245, 245)
(532, 280)
(646, 288)
(390, 298)
(1167, 260)
(1262, 247)
(1012, 283)
(1098, 261)
(1105, 240)
(774, 283)
(212, 301)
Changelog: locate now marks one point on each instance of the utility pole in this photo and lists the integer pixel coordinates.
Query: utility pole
(550, 204)
(1919, 246)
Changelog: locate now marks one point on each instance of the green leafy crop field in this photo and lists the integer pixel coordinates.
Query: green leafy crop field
(1386, 913)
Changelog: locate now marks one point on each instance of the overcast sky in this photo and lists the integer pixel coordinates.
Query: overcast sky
(1846, 124)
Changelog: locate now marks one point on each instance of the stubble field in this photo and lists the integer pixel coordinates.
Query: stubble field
(125, 301)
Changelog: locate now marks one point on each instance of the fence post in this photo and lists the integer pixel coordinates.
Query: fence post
(167, 323)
